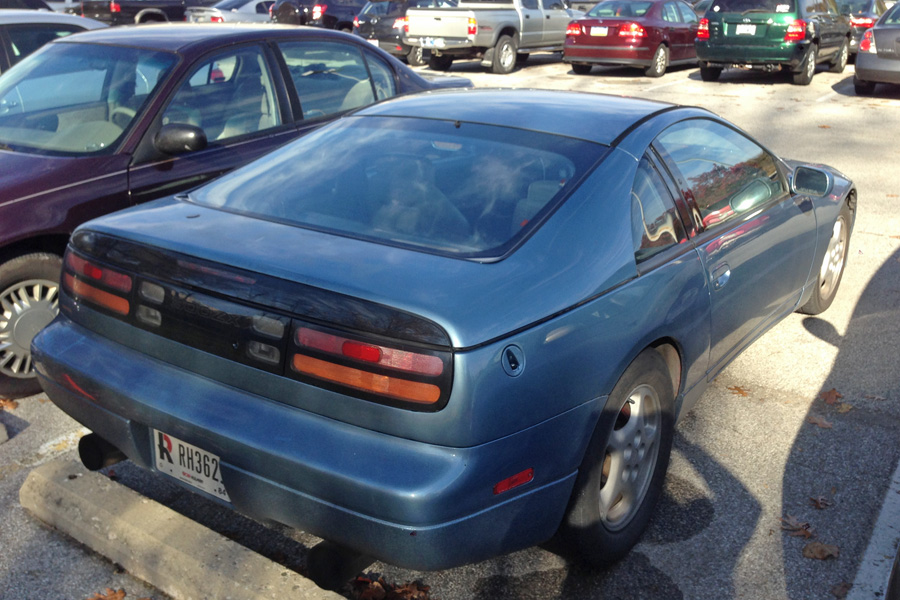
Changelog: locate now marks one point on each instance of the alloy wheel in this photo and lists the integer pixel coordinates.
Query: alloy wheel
(27, 307)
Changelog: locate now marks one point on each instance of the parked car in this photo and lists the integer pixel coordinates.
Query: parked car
(330, 14)
(791, 35)
(501, 34)
(231, 11)
(862, 15)
(446, 326)
(651, 34)
(131, 12)
(701, 6)
(878, 60)
(126, 115)
(383, 23)
(24, 31)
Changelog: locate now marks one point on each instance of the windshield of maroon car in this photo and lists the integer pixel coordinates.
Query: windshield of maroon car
(445, 187)
(77, 99)
(620, 8)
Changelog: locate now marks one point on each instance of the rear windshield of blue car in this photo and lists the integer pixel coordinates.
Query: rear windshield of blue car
(763, 6)
(620, 8)
(445, 187)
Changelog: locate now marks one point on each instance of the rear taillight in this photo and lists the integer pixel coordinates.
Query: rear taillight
(319, 10)
(632, 30)
(402, 23)
(796, 31)
(371, 367)
(472, 29)
(114, 7)
(216, 19)
(97, 284)
(573, 29)
(862, 22)
(356, 22)
(703, 30)
(867, 43)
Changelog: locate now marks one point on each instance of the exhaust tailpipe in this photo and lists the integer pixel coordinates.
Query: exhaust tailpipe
(96, 453)
(330, 565)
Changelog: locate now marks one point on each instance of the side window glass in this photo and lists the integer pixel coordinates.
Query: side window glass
(687, 13)
(227, 96)
(530, 4)
(654, 221)
(670, 13)
(728, 174)
(25, 39)
(552, 4)
(332, 77)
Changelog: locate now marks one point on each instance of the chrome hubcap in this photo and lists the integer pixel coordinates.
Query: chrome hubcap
(811, 64)
(507, 56)
(660, 59)
(833, 263)
(27, 307)
(630, 457)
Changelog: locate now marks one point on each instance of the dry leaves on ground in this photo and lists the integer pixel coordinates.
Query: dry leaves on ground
(375, 588)
(820, 551)
(820, 421)
(111, 594)
(739, 391)
(8, 404)
(844, 408)
(797, 528)
(874, 397)
(831, 397)
(820, 503)
(841, 590)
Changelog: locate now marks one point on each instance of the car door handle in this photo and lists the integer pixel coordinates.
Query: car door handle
(720, 276)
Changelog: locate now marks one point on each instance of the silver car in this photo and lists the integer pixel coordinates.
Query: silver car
(878, 58)
(231, 11)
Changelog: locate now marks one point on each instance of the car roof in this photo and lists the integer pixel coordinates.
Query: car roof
(180, 37)
(593, 117)
(16, 16)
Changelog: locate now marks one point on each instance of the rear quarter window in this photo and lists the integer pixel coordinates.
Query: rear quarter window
(767, 6)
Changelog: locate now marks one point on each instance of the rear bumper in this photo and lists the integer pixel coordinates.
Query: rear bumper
(409, 503)
(597, 55)
(871, 67)
(726, 55)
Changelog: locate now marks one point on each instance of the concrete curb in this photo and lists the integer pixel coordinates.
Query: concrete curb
(3, 435)
(167, 550)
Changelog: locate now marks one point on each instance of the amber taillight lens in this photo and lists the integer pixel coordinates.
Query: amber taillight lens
(96, 284)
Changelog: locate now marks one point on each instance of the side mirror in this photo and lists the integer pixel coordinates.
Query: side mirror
(810, 181)
(180, 138)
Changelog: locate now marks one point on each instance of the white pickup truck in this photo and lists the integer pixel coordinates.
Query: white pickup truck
(500, 32)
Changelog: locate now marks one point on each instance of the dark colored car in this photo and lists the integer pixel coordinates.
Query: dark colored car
(651, 34)
(791, 35)
(123, 115)
(862, 15)
(446, 326)
(24, 31)
(878, 59)
(701, 6)
(382, 22)
(330, 14)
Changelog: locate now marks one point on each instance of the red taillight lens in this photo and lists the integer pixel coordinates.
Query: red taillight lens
(867, 43)
(401, 23)
(114, 7)
(573, 29)
(796, 31)
(472, 29)
(703, 30)
(319, 10)
(391, 358)
(632, 29)
(88, 270)
(356, 22)
(862, 22)
(216, 19)
(85, 291)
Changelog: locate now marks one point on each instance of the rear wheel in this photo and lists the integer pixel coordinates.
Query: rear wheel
(416, 56)
(581, 69)
(440, 63)
(710, 73)
(504, 55)
(840, 60)
(863, 88)
(832, 268)
(807, 67)
(622, 473)
(659, 63)
(29, 290)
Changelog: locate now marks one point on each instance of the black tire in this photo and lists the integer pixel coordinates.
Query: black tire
(659, 63)
(601, 522)
(807, 67)
(840, 60)
(581, 69)
(504, 55)
(863, 88)
(710, 73)
(416, 57)
(440, 63)
(831, 271)
(31, 282)
(522, 58)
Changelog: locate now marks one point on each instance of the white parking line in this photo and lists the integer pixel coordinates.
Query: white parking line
(662, 85)
(872, 577)
(827, 96)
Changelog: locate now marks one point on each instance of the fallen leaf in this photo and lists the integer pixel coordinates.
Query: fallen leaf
(844, 408)
(375, 588)
(824, 126)
(739, 391)
(841, 590)
(831, 396)
(797, 528)
(820, 551)
(820, 503)
(893, 196)
(8, 404)
(109, 594)
(816, 420)
(874, 397)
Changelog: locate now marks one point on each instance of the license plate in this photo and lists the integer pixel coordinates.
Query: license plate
(744, 29)
(599, 31)
(432, 42)
(189, 464)
(373, 42)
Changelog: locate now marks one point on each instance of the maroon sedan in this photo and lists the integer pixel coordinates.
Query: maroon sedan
(651, 34)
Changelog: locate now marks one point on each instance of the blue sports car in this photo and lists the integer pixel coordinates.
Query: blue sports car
(446, 326)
